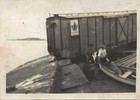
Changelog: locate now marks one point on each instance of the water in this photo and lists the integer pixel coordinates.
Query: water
(15, 53)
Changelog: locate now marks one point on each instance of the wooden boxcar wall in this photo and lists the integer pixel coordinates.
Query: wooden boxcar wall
(113, 31)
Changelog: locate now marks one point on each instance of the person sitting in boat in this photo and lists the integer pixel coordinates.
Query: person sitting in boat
(102, 55)
(102, 59)
(89, 53)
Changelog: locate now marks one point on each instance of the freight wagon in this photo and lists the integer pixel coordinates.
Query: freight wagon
(71, 33)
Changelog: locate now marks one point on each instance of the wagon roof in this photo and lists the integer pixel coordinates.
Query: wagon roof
(90, 14)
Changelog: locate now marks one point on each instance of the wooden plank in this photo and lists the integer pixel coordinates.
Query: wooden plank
(133, 76)
(106, 31)
(99, 31)
(117, 61)
(129, 56)
(126, 74)
(83, 36)
(124, 63)
(130, 64)
(127, 51)
(128, 68)
(92, 31)
(125, 58)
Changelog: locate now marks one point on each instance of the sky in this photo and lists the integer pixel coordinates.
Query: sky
(26, 18)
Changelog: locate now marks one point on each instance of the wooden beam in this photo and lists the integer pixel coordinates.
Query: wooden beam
(123, 63)
(61, 34)
(127, 61)
(127, 51)
(127, 29)
(128, 68)
(127, 57)
(132, 30)
(79, 37)
(126, 74)
(110, 33)
(103, 30)
(129, 65)
(87, 33)
(95, 33)
(116, 32)
(133, 76)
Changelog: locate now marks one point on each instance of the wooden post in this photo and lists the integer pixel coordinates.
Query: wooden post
(132, 29)
(109, 33)
(87, 33)
(61, 34)
(79, 37)
(116, 30)
(103, 30)
(95, 34)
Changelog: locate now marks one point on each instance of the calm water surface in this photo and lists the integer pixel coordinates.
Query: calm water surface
(15, 53)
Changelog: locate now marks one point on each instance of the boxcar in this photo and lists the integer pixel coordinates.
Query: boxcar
(70, 34)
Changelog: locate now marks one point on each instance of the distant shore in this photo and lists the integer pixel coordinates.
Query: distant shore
(27, 39)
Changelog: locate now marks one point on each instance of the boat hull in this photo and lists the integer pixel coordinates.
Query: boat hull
(112, 74)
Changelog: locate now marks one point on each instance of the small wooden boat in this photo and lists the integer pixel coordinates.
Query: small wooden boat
(128, 75)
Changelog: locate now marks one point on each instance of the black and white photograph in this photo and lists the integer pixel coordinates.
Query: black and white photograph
(84, 49)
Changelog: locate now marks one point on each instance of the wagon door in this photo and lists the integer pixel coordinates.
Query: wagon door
(122, 30)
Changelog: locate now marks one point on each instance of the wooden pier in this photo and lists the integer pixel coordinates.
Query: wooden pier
(67, 78)
(127, 62)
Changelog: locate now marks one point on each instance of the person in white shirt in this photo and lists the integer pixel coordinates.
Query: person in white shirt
(102, 55)
(102, 58)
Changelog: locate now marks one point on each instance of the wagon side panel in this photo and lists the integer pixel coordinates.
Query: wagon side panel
(99, 31)
(65, 38)
(91, 31)
(122, 30)
(113, 31)
(134, 27)
(106, 31)
(130, 30)
(57, 35)
(83, 34)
